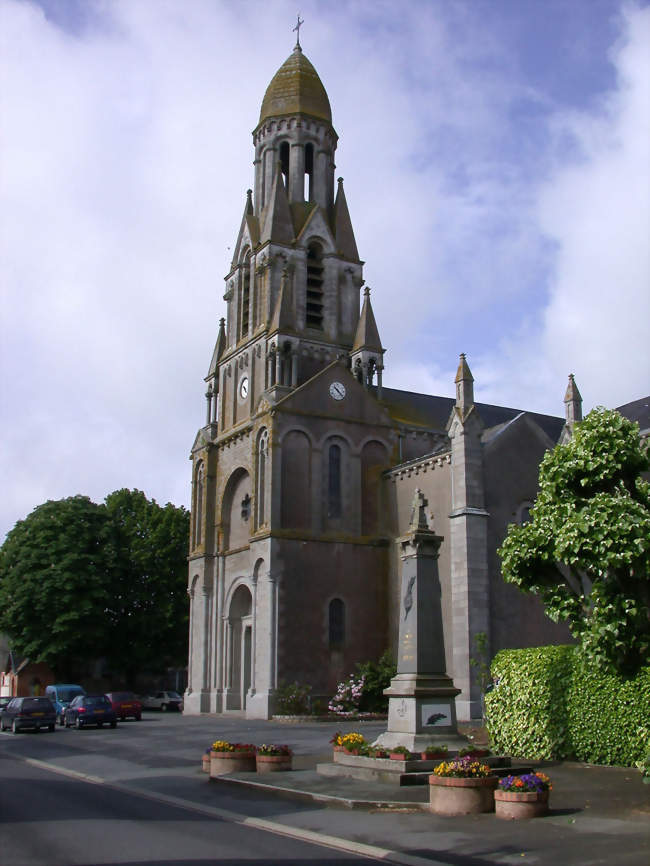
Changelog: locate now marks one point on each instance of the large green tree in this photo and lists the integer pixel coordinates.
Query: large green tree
(55, 573)
(80, 580)
(148, 605)
(586, 551)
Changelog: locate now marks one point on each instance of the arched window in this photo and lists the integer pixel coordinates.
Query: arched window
(314, 317)
(245, 297)
(336, 623)
(309, 170)
(284, 161)
(198, 502)
(334, 482)
(262, 451)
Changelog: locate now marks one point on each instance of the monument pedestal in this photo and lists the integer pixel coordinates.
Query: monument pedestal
(421, 712)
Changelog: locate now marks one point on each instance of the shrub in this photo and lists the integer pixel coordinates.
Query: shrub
(347, 699)
(552, 703)
(376, 677)
(292, 699)
(364, 691)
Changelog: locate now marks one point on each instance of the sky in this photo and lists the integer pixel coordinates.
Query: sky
(496, 156)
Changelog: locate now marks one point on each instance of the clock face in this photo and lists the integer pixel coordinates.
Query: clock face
(243, 388)
(337, 390)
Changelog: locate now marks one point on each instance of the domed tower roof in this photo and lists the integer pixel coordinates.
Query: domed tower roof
(296, 89)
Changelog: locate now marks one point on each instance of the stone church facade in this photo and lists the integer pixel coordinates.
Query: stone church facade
(305, 469)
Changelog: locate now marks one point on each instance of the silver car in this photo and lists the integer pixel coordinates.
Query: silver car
(163, 701)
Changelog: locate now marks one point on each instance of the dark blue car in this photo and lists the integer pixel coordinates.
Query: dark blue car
(90, 710)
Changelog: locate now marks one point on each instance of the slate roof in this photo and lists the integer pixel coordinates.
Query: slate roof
(432, 413)
(637, 410)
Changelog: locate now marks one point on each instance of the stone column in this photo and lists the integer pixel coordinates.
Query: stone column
(190, 689)
(468, 521)
(253, 634)
(208, 400)
(297, 173)
(278, 366)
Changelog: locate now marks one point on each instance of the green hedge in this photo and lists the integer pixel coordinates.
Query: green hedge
(551, 703)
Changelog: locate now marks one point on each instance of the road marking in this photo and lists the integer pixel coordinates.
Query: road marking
(361, 848)
(64, 771)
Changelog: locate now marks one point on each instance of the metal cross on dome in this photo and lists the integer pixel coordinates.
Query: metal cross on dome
(296, 30)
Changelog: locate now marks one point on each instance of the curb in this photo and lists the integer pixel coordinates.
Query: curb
(327, 799)
(363, 849)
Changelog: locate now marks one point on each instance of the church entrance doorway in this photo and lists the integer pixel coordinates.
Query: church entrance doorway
(240, 648)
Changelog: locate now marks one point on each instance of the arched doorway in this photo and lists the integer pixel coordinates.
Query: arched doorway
(240, 647)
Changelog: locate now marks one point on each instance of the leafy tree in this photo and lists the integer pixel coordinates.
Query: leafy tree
(54, 578)
(81, 581)
(147, 608)
(586, 552)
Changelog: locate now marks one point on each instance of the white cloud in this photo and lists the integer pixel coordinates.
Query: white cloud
(595, 208)
(127, 152)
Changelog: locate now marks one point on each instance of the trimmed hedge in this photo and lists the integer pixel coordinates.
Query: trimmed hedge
(550, 703)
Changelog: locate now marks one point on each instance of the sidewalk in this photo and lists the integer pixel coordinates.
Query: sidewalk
(598, 815)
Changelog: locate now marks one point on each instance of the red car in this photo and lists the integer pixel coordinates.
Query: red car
(125, 704)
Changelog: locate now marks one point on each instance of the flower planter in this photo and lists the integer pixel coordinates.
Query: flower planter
(339, 748)
(205, 763)
(398, 756)
(273, 763)
(453, 795)
(433, 756)
(524, 804)
(351, 751)
(222, 763)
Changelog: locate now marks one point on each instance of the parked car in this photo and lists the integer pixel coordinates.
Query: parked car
(90, 710)
(125, 704)
(23, 713)
(62, 695)
(163, 701)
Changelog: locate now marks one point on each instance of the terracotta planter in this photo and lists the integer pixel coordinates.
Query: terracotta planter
(222, 763)
(524, 804)
(449, 795)
(273, 763)
(398, 756)
(350, 751)
(339, 748)
(432, 756)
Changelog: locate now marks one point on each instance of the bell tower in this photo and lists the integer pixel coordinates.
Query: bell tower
(292, 291)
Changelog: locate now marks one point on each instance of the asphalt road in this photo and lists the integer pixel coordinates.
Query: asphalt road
(136, 795)
(63, 819)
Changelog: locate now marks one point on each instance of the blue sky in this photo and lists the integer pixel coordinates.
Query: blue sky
(496, 160)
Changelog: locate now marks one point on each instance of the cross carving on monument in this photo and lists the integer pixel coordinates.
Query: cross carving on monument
(296, 30)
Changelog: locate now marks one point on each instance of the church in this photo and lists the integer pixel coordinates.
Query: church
(305, 470)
